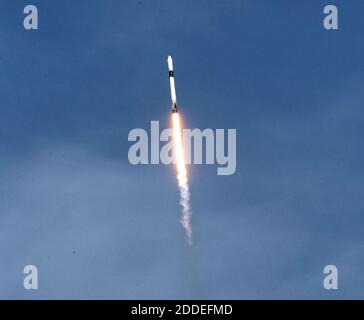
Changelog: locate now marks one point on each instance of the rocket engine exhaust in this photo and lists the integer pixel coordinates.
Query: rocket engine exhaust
(182, 177)
(180, 159)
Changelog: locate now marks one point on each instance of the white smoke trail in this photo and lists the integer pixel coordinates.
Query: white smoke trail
(186, 212)
(182, 178)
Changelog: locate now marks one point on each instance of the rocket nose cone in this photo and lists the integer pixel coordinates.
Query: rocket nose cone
(170, 63)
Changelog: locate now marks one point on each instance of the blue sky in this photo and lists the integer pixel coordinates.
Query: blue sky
(98, 227)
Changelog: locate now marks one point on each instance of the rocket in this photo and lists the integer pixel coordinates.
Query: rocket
(171, 83)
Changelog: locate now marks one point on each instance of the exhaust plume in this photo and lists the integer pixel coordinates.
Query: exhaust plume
(182, 177)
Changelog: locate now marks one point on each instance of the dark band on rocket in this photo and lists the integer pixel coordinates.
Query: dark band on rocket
(171, 74)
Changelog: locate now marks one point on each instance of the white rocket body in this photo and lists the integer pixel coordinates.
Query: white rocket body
(172, 85)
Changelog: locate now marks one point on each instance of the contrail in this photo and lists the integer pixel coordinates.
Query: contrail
(182, 177)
